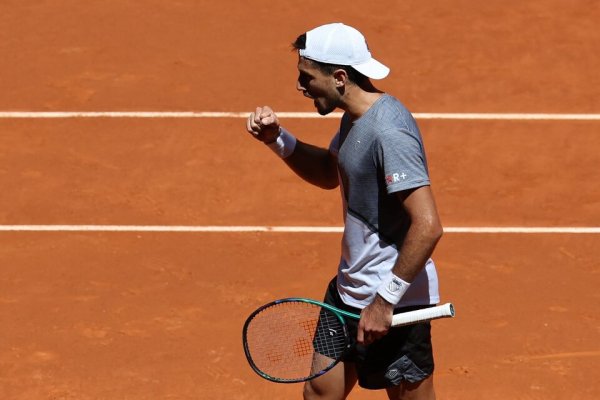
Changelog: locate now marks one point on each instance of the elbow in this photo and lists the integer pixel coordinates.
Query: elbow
(329, 185)
(437, 231)
(433, 230)
(329, 180)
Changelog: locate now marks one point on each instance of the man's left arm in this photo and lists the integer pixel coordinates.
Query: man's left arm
(423, 234)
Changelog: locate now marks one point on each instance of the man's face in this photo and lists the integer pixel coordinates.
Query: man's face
(318, 86)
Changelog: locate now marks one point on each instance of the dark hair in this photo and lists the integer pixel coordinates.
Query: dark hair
(329, 69)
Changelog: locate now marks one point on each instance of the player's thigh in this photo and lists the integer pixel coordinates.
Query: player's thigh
(422, 390)
(336, 384)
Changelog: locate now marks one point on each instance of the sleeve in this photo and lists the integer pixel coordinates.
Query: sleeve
(334, 145)
(400, 156)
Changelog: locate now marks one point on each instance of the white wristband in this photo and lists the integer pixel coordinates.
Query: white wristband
(392, 289)
(284, 145)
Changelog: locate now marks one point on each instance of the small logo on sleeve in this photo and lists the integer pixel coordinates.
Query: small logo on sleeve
(395, 178)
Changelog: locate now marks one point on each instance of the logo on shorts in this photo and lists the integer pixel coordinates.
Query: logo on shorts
(395, 178)
(392, 373)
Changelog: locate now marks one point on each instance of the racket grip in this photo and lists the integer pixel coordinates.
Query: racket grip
(422, 315)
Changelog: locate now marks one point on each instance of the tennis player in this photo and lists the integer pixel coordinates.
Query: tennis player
(391, 221)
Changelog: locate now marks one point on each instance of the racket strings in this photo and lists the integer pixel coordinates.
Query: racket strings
(293, 341)
(329, 339)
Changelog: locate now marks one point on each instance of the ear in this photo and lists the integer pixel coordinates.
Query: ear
(341, 78)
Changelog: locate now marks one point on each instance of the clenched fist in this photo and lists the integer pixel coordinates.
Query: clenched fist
(263, 124)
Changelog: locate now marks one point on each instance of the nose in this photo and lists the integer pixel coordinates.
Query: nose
(299, 86)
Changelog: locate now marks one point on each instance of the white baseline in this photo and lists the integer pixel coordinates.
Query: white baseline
(297, 115)
(277, 229)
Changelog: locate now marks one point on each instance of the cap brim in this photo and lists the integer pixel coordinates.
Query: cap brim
(372, 69)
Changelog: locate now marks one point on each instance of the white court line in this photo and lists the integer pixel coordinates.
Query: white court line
(283, 229)
(299, 115)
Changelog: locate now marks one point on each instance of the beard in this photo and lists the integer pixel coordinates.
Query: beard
(324, 106)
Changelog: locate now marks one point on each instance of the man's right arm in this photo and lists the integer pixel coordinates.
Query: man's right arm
(313, 164)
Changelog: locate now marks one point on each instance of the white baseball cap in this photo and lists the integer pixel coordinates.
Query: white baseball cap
(342, 45)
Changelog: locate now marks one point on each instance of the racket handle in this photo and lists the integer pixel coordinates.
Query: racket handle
(425, 314)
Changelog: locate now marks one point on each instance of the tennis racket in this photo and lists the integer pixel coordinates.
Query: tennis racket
(295, 339)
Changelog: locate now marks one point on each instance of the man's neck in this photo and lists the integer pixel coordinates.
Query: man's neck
(357, 100)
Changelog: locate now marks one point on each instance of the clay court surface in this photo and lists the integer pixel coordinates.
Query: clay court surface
(158, 315)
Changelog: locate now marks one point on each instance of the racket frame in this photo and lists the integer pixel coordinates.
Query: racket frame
(340, 314)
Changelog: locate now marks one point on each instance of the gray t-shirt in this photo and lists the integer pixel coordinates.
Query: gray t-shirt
(379, 154)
